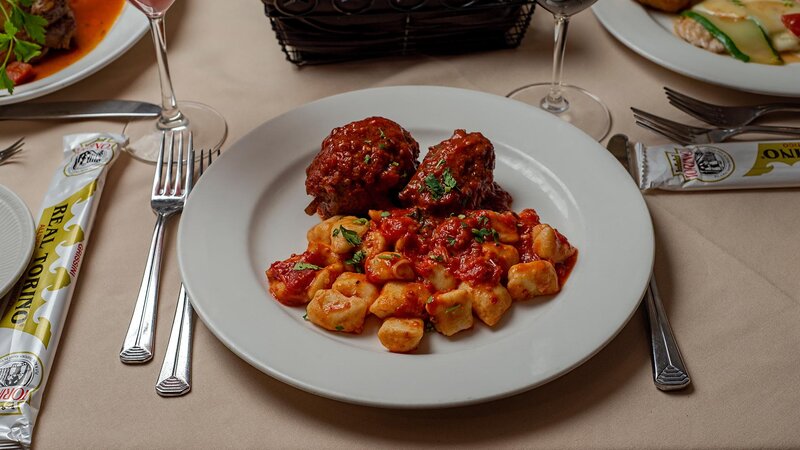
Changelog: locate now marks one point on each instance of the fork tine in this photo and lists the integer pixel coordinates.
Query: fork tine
(176, 190)
(168, 177)
(676, 134)
(658, 124)
(7, 153)
(691, 101)
(159, 163)
(15, 146)
(669, 135)
(687, 129)
(189, 166)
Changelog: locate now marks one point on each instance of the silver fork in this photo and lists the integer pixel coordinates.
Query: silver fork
(175, 378)
(11, 149)
(686, 134)
(726, 116)
(166, 200)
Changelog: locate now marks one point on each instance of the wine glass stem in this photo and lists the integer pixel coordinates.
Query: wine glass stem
(555, 102)
(171, 116)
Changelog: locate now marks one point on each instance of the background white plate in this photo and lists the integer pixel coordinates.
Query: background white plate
(130, 26)
(649, 33)
(16, 238)
(247, 212)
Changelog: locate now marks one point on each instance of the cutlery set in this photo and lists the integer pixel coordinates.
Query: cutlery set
(171, 187)
(727, 121)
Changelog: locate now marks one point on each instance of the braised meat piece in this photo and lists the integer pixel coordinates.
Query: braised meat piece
(361, 166)
(455, 175)
(50, 10)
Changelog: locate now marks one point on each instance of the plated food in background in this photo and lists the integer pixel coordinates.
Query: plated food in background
(759, 31)
(423, 246)
(41, 37)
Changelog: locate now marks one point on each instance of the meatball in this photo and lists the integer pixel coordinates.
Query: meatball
(455, 175)
(362, 165)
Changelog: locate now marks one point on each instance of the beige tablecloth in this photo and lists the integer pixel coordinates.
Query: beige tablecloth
(726, 263)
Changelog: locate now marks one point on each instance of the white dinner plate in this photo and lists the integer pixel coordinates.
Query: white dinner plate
(247, 212)
(130, 26)
(649, 33)
(16, 238)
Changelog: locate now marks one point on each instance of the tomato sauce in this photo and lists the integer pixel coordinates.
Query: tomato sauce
(456, 242)
(94, 18)
(296, 278)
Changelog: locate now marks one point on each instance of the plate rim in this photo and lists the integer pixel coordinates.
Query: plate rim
(128, 17)
(26, 218)
(185, 241)
(628, 22)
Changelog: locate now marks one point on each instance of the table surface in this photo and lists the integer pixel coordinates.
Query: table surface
(723, 262)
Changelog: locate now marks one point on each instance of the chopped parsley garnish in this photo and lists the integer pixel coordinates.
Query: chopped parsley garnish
(429, 300)
(437, 258)
(349, 235)
(358, 258)
(339, 328)
(483, 220)
(483, 233)
(381, 146)
(18, 20)
(439, 188)
(305, 316)
(383, 135)
(434, 187)
(452, 308)
(448, 181)
(300, 265)
(360, 221)
(367, 159)
(385, 214)
(388, 256)
(440, 163)
(451, 241)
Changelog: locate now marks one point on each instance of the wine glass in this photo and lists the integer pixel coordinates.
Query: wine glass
(571, 103)
(208, 127)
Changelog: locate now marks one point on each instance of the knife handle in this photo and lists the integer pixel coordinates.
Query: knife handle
(669, 370)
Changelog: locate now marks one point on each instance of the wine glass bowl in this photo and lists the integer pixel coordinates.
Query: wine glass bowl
(570, 103)
(206, 124)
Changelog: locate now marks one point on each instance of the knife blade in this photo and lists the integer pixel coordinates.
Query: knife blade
(105, 109)
(669, 370)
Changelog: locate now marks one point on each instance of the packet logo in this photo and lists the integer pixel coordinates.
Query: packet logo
(703, 163)
(770, 154)
(20, 376)
(90, 155)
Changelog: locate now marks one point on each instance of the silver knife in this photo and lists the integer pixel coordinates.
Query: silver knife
(669, 370)
(120, 109)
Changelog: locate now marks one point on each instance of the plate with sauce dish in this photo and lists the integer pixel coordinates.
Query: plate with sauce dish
(105, 30)
(16, 239)
(248, 211)
(649, 33)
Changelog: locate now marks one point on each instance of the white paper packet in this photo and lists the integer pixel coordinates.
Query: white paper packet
(33, 315)
(733, 165)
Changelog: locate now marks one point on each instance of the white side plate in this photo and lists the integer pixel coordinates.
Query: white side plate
(16, 238)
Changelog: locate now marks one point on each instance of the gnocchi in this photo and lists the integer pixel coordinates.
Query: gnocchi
(416, 272)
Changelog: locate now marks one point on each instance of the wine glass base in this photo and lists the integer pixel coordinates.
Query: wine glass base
(585, 110)
(208, 128)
